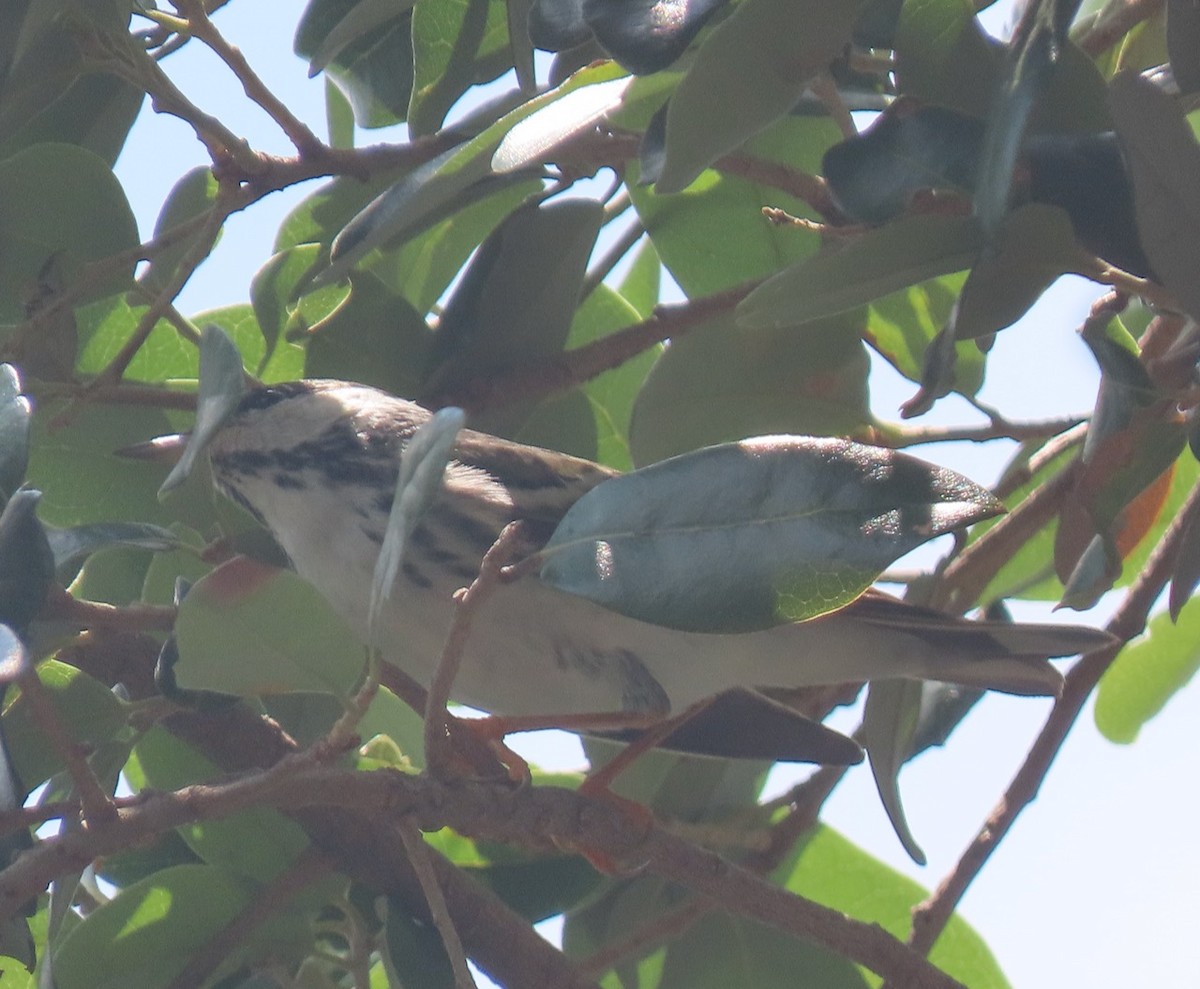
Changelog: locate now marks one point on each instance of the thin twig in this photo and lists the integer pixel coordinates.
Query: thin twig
(553, 375)
(965, 577)
(619, 248)
(304, 140)
(226, 203)
(63, 606)
(899, 437)
(96, 805)
(418, 855)
(931, 916)
(469, 601)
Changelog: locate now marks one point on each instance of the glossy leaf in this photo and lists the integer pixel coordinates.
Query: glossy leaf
(944, 58)
(147, 934)
(516, 300)
(702, 956)
(191, 196)
(647, 35)
(361, 21)
(1034, 246)
(443, 185)
(903, 325)
(611, 395)
(753, 534)
(274, 290)
(721, 209)
(533, 139)
(96, 112)
(372, 337)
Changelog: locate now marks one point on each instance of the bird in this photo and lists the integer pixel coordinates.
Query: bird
(316, 463)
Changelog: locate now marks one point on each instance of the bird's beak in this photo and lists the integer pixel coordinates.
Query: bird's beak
(160, 450)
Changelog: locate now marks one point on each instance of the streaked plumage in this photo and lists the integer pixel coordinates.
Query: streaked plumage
(316, 462)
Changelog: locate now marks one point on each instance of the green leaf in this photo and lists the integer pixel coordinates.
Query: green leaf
(96, 112)
(423, 268)
(903, 325)
(713, 235)
(375, 338)
(889, 727)
(445, 184)
(149, 931)
(641, 284)
(722, 949)
(456, 44)
(63, 204)
(222, 384)
(1034, 246)
(909, 250)
(943, 57)
(88, 711)
(26, 560)
(83, 447)
(257, 843)
(192, 195)
(611, 395)
(750, 72)
(375, 70)
(831, 870)
(1162, 155)
(517, 298)
(274, 290)
(361, 21)
(754, 534)
(247, 629)
(1147, 674)
(422, 469)
(718, 384)
(533, 139)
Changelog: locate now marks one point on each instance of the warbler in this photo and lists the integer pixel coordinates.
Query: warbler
(316, 463)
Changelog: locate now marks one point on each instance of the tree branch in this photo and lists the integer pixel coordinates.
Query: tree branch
(930, 917)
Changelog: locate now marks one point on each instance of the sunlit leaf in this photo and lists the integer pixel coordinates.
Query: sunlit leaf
(1147, 674)
(752, 534)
